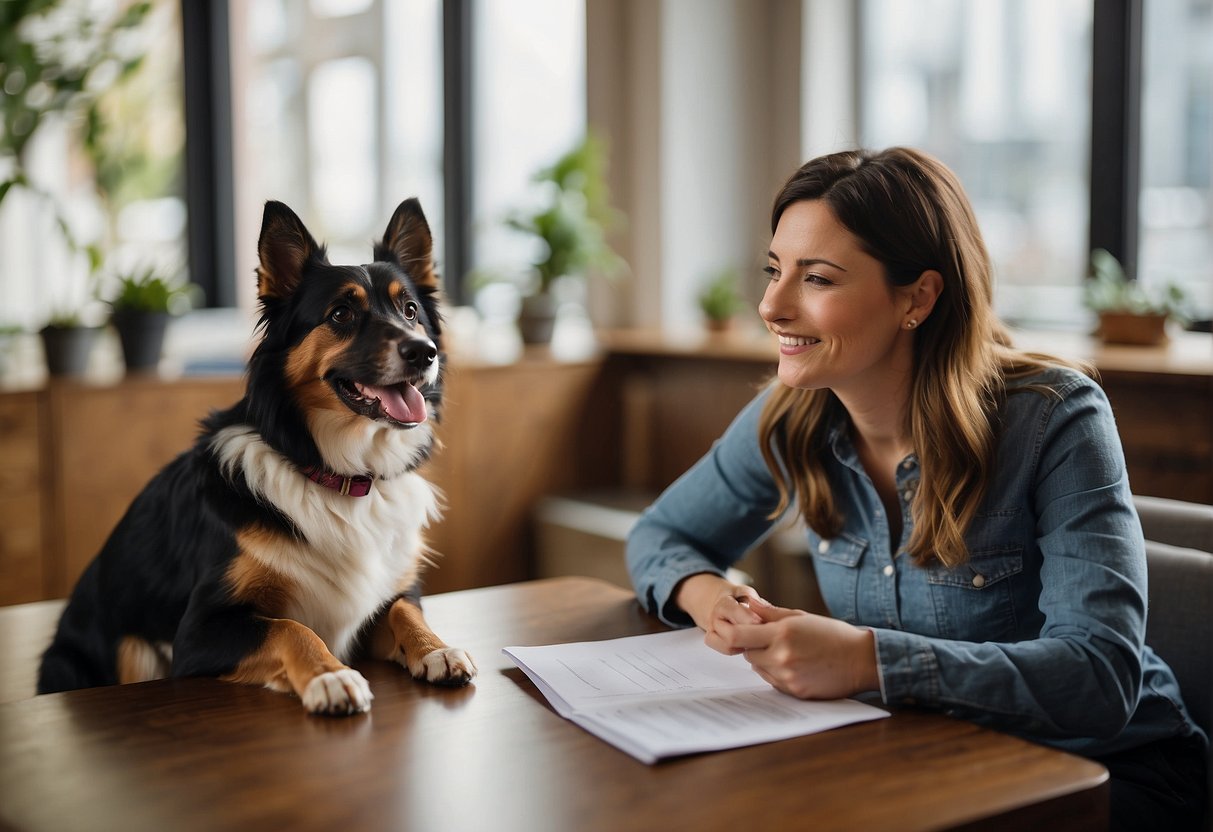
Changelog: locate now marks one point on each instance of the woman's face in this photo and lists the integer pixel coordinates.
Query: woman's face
(839, 322)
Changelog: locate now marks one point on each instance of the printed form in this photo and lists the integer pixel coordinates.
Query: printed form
(666, 694)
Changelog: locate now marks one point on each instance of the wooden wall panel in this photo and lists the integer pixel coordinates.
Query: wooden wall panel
(511, 435)
(75, 454)
(23, 490)
(1166, 425)
(678, 395)
(110, 440)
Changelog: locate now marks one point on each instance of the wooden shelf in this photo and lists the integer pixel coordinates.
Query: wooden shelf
(1186, 354)
(635, 416)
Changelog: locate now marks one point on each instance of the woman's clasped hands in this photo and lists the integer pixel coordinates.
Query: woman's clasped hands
(805, 655)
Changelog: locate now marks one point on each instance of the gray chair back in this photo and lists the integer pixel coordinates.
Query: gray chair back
(1179, 624)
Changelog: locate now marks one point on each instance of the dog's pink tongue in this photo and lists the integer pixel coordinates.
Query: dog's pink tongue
(403, 402)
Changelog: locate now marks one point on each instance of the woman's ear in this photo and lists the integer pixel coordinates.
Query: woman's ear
(921, 296)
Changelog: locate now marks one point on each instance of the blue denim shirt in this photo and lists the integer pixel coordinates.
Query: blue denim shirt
(1040, 633)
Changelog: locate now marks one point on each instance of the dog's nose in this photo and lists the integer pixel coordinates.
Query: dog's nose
(418, 353)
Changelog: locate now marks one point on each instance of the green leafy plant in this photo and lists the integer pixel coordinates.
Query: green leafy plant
(574, 217)
(1110, 290)
(719, 299)
(145, 290)
(57, 58)
(64, 319)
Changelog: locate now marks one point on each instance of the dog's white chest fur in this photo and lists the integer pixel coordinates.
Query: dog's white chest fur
(355, 553)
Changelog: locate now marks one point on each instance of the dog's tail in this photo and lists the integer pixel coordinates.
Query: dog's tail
(81, 655)
(66, 667)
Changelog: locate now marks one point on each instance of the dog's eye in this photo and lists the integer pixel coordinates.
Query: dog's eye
(410, 310)
(342, 315)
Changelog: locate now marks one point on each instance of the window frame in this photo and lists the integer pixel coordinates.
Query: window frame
(1113, 187)
(209, 173)
(210, 198)
(1115, 170)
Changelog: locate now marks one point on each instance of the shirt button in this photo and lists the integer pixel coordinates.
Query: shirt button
(979, 581)
(907, 464)
(823, 546)
(908, 494)
(888, 570)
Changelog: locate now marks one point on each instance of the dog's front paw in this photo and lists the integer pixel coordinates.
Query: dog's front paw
(445, 666)
(338, 693)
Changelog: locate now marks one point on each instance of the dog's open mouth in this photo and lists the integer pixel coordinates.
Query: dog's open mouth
(399, 404)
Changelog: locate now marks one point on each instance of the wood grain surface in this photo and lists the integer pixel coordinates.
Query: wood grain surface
(199, 754)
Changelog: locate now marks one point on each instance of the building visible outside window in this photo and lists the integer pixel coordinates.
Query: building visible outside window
(1176, 206)
(338, 112)
(999, 90)
(528, 105)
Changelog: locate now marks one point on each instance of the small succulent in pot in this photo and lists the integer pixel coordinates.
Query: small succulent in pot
(142, 305)
(1129, 313)
(720, 300)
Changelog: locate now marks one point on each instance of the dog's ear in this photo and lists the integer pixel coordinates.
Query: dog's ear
(408, 244)
(285, 247)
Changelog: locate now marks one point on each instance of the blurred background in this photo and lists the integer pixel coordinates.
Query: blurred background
(1074, 124)
(620, 154)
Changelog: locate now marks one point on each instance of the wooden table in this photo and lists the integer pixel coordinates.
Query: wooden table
(205, 755)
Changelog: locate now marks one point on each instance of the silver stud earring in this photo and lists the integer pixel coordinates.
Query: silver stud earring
(910, 324)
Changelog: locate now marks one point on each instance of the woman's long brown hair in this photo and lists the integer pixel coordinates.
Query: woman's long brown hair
(909, 212)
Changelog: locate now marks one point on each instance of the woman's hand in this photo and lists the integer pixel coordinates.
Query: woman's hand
(805, 655)
(713, 602)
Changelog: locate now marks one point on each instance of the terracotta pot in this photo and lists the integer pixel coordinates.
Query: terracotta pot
(1130, 328)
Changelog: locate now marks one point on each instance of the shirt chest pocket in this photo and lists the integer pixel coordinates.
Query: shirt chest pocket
(836, 563)
(975, 601)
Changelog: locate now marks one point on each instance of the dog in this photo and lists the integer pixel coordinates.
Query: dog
(288, 540)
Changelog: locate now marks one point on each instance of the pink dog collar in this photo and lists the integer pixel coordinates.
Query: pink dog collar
(348, 486)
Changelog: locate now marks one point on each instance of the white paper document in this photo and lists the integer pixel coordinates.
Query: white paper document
(666, 694)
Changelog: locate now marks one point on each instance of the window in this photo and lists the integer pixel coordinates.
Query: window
(1176, 206)
(999, 90)
(341, 112)
(1002, 92)
(338, 113)
(528, 102)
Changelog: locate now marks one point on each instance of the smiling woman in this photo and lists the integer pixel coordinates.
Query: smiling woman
(838, 325)
(901, 352)
(966, 503)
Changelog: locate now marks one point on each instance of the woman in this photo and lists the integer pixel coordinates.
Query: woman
(969, 514)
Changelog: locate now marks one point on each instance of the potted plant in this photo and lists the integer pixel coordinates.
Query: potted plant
(1128, 313)
(141, 308)
(67, 343)
(71, 331)
(719, 300)
(571, 224)
(59, 58)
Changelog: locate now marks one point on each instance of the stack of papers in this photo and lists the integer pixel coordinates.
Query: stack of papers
(666, 694)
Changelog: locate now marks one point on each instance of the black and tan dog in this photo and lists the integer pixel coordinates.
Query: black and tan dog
(288, 540)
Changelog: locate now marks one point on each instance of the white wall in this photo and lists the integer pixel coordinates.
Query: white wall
(699, 101)
(828, 121)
